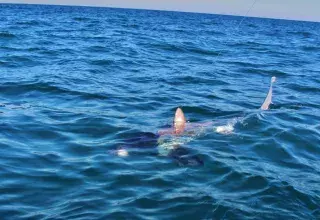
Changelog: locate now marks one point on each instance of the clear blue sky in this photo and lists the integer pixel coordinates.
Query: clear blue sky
(287, 9)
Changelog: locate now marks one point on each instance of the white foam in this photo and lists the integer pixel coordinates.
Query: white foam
(122, 153)
(168, 143)
(225, 129)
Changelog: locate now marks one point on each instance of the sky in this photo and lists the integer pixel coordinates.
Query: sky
(286, 9)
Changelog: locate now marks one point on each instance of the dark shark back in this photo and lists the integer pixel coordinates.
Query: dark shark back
(149, 141)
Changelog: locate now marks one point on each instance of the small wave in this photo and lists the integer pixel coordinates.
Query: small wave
(304, 88)
(278, 154)
(133, 26)
(6, 35)
(194, 79)
(203, 51)
(301, 33)
(230, 91)
(243, 64)
(4, 63)
(47, 51)
(310, 48)
(32, 49)
(168, 47)
(17, 61)
(185, 48)
(22, 88)
(299, 198)
(81, 19)
(181, 30)
(55, 52)
(292, 106)
(31, 23)
(210, 22)
(8, 48)
(277, 73)
(250, 44)
(102, 62)
(97, 49)
(252, 25)
(15, 105)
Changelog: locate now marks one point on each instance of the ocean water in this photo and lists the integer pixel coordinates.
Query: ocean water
(78, 82)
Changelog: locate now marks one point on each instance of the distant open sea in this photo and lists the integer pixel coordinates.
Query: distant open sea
(76, 83)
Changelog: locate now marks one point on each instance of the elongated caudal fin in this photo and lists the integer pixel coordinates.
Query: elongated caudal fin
(179, 122)
(268, 100)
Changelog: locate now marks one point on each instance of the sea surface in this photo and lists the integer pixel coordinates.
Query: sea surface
(76, 83)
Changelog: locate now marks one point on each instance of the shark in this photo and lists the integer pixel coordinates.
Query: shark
(170, 142)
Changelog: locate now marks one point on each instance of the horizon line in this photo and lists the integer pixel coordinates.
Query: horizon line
(164, 10)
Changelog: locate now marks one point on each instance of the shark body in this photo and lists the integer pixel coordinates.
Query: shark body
(170, 142)
(167, 143)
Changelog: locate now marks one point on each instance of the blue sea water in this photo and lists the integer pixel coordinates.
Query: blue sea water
(78, 82)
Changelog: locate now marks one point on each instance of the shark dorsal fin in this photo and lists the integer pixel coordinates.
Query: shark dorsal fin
(179, 122)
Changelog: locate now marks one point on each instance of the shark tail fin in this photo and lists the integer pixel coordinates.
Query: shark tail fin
(268, 100)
